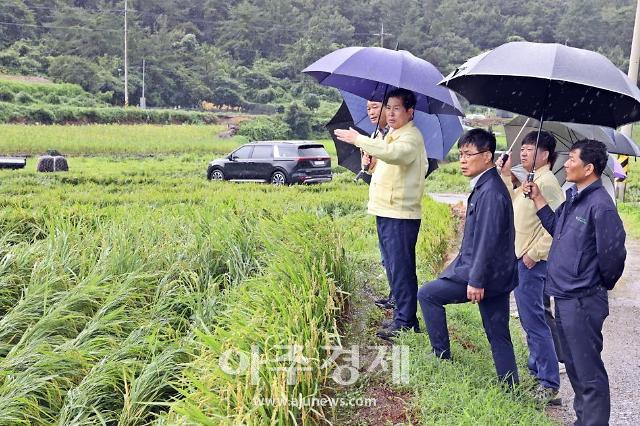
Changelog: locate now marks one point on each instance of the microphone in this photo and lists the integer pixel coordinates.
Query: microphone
(362, 171)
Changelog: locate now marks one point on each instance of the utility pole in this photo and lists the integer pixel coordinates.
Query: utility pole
(143, 100)
(634, 62)
(382, 34)
(126, 60)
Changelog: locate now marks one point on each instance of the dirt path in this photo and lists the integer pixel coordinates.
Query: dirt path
(621, 352)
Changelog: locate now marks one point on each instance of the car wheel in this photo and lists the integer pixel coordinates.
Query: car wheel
(217, 174)
(278, 178)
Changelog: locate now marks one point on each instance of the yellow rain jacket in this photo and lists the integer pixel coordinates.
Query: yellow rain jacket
(397, 184)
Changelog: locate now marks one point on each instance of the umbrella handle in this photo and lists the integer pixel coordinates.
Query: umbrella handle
(530, 178)
(531, 174)
(363, 169)
(503, 158)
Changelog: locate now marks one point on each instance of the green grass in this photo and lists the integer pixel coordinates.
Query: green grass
(630, 214)
(114, 140)
(124, 280)
(448, 178)
(466, 390)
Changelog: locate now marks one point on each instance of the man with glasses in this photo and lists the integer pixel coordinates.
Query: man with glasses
(483, 271)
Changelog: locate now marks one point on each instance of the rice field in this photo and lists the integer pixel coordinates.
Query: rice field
(110, 139)
(125, 281)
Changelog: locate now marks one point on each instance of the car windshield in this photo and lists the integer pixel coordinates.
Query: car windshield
(295, 151)
(313, 151)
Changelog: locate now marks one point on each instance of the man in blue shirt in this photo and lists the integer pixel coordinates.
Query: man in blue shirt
(586, 259)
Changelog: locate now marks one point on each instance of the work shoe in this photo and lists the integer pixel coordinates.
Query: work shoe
(390, 323)
(392, 332)
(386, 303)
(387, 323)
(547, 396)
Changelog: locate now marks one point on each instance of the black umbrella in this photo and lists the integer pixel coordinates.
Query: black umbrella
(549, 82)
(349, 156)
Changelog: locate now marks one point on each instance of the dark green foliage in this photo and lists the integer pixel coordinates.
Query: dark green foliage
(65, 114)
(252, 51)
(298, 119)
(24, 98)
(6, 95)
(311, 101)
(12, 14)
(265, 128)
(76, 70)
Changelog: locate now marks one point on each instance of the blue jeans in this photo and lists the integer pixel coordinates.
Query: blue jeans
(494, 311)
(543, 361)
(398, 238)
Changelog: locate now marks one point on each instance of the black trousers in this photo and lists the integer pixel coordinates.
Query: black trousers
(398, 238)
(579, 322)
(494, 311)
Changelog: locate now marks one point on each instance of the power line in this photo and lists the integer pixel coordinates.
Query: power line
(58, 27)
(55, 8)
(177, 18)
(55, 27)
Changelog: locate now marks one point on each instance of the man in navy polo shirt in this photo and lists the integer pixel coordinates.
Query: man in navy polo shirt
(585, 260)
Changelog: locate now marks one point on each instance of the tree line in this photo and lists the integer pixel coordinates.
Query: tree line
(250, 53)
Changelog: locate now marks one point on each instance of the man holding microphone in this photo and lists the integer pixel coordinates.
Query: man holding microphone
(395, 199)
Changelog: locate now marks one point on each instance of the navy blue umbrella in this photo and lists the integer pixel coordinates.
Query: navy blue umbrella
(370, 72)
(440, 131)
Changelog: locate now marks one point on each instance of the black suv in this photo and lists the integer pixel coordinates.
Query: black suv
(278, 162)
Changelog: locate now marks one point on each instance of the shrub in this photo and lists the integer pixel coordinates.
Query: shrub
(24, 98)
(74, 69)
(265, 128)
(54, 114)
(298, 118)
(265, 96)
(43, 116)
(53, 99)
(311, 101)
(6, 95)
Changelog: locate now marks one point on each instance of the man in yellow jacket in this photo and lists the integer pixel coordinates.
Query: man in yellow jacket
(395, 198)
(532, 246)
(377, 116)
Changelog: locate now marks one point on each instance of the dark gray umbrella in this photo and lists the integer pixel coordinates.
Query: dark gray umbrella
(348, 154)
(549, 82)
(568, 133)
